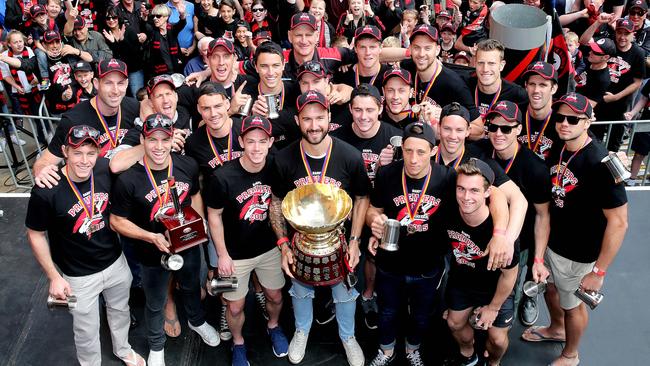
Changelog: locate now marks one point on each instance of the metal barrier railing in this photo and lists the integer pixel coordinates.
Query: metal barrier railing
(634, 127)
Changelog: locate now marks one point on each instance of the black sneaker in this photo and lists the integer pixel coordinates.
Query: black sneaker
(370, 311)
(326, 314)
(260, 299)
(381, 359)
(414, 358)
(460, 360)
(528, 311)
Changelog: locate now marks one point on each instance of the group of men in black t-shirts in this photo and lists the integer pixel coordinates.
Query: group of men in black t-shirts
(533, 193)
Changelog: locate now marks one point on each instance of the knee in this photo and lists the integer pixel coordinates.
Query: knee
(274, 297)
(236, 308)
(499, 340)
(455, 323)
(341, 295)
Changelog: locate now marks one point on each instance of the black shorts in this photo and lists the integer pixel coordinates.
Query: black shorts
(641, 143)
(459, 299)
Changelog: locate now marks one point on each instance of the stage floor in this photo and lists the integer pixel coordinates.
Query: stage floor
(618, 334)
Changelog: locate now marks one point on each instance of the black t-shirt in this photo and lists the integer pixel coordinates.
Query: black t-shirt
(531, 139)
(596, 83)
(198, 147)
(447, 55)
(61, 76)
(182, 120)
(370, 148)
(474, 151)
(468, 268)
(245, 198)
(623, 69)
(645, 91)
(530, 174)
(509, 91)
(473, 24)
(422, 250)
(408, 119)
(345, 170)
(448, 87)
(331, 57)
(85, 114)
(587, 187)
(134, 198)
(350, 78)
(188, 98)
(79, 246)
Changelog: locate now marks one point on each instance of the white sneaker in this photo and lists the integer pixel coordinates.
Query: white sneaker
(297, 346)
(3, 142)
(354, 352)
(156, 358)
(208, 333)
(17, 141)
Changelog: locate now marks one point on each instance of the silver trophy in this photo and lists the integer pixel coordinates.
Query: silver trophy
(473, 320)
(591, 298)
(272, 104)
(532, 289)
(389, 241)
(245, 109)
(223, 284)
(396, 143)
(616, 167)
(68, 303)
(172, 262)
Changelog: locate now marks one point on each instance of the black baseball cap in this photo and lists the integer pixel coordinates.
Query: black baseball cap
(82, 66)
(252, 122)
(577, 102)
(160, 79)
(462, 54)
(111, 65)
(315, 68)
(455, 109)
(420, 130)
(541, 68)
(303, 19)
(603, 46)
(425, 29)
(486, 170)
(368, 31)
(397, 72)
(157, 122)
(37, 10)
(448, 27)
(443, 14)
(641, 4)
(221, 42)
(366, 90)
(309, 97)
(79, 23)
(625, 24)
(259, 35)
(506, 109)
(51, 36)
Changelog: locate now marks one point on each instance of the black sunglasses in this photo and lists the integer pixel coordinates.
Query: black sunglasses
(157, 16)
(506, 130)
(258, 10)
(637, 13)
(158, 123)
(311, 66)
(79, 134)
(156, 79)
(111, 17)
(572, 120)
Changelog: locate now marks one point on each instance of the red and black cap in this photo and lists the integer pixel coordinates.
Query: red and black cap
(398, 72)
(640, 4)
(577, 102)
(160, 79)
(221, 42)
(157, 122)
(449, 27)
(310, 97)
(462, 54)
(506, 109)
(252, 122)
(79, 23)
(368, 31)
(37, 10)
(419, 130)
(443, 14)
(315, 68)
(82, 66)
(425, 29)
(541, 68)
(303, 19)
(625, 24)
(260, 35)
(51, 36)
(111, 65)
(603, 46)
(77, 135)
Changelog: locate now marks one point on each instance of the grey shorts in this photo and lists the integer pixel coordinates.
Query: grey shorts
(566, 275)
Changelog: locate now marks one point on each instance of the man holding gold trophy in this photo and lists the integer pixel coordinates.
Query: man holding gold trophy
(312, 189)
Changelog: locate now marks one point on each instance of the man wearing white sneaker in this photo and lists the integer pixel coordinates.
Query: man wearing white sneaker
(142, 193)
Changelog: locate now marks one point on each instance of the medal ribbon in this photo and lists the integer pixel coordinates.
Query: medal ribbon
(494, 99)
(152, 180)
(559, 174)
(112, 137)
(456, 162)
(357, 77)
(436, 73)
(511, 161)
(541, 132)
(412, 211)
(213, 147)
(326, 163)
(89, 210)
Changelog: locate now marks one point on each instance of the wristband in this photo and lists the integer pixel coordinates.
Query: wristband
(599, 272)
(501, 232)
(283, 240)
(354, 238)
(538, 260)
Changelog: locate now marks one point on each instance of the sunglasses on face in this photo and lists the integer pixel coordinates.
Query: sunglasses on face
(79, 134)
(572, 120)
(111, 17)
(158, 16)
(506, 130)
(637, 13)
(257, 10)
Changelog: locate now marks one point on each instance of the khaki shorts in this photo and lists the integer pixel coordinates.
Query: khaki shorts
(567, 276)
(268, 267)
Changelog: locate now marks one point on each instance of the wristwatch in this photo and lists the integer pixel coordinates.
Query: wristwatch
(354, 238)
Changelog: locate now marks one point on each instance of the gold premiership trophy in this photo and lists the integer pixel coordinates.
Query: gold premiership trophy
(317, 212)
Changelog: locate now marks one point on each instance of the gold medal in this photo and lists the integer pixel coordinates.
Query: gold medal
(415, 108)
(410, 228)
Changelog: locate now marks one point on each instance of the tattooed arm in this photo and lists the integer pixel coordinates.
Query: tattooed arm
(279, 225)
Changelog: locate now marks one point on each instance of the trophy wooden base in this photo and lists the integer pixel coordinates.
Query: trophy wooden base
(184, 233)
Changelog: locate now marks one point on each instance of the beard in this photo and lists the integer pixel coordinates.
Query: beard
(313, 139)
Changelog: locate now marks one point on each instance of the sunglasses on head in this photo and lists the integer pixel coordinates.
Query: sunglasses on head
(155, 80)
(638, 13)
(158, 123)
(572, 120)
(79, 134)
(506, 130)
(258, 10)
(314, 67)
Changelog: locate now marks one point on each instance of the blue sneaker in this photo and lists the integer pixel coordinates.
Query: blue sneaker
(279, 342)
(239, 355)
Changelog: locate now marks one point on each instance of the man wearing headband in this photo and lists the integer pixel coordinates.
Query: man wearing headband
(473, 290)
(588, 223)
(415, 192)
(74, 215)
(140, 195)
(238, 201)
(319, 158)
